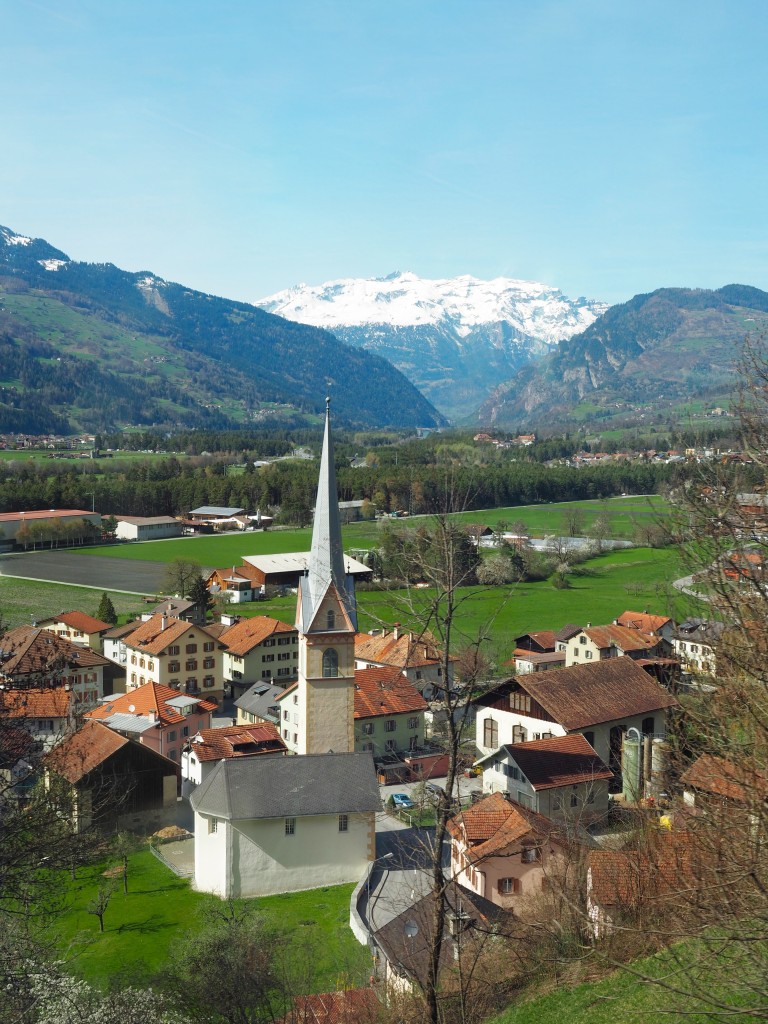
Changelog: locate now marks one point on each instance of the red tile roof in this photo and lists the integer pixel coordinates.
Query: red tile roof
(384, 691)
(144, 700)
(53, 513)
(622, 637)
(723, 778)
(603, 691)
(629, 877)
(84, 750)
(249, 633)
(406, 650)
(79, 620)
(55, 703)
(558, 761)
(352, 1006)
(643, 621)
(494, 824)
(236, 741)
(157, 633)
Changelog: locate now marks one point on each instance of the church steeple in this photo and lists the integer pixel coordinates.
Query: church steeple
(326, 559)
(321, 715)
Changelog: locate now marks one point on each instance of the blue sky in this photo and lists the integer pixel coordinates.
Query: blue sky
(606, 147)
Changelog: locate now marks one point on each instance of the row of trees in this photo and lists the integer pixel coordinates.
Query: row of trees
(170, 487)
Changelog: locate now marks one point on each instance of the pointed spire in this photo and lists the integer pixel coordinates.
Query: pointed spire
(326, 559)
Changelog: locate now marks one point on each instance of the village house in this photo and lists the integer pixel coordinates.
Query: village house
(31, 657)
(596, 643)
(601, 700)
(157, 716)
(389, 712)
(503, 851)
(259, 648)
(45, 715)
(281, 824)
(716, 783)
(258, 704)
(77, 627)
(175, 654)
(561, 777)
(695, 643)
(645, 622)
(417, 656)
(206, 748)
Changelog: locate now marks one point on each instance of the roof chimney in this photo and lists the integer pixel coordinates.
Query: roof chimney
(164, 622)
(396, 631)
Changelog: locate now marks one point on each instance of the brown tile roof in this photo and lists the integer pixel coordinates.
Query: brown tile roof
(407, 650)
(30, 650)
(629, 877)
(79, 620)
(84, 750)
(545, 638)
(643, 621)
(603, 691)
(494, 824)
(567, 632)
(236, 741)
(152, 638)
(559, 761)
(723, 778)
(54, 513)
(151, 697)
(118, 632)
(384, 691)
(249, 633)
(351, 1006)
(622, 637)
(55, 703)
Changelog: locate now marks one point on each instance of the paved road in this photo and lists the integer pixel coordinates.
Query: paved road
(114, 574)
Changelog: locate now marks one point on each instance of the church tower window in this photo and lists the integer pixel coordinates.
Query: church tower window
(330, 663)
(331, 618)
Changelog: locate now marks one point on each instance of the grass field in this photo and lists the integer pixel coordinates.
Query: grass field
(634, 578)
(160, 909)
(25, 601)
(625, 998)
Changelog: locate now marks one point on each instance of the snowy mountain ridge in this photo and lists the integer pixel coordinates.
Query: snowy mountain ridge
(456, 338)
(403, 299)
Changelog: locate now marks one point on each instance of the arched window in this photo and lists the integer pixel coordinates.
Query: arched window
(331, 619)
(330, 663)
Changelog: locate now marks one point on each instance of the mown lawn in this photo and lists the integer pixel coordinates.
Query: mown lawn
(142, 928)
(24, 601)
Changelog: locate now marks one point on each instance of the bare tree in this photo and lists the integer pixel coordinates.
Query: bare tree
(100, 902)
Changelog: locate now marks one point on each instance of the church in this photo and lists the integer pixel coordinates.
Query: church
(270, 825)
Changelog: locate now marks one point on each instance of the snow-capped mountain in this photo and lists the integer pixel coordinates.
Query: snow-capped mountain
(456, 339)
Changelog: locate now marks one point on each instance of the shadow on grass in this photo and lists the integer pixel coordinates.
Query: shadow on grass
(149, 924)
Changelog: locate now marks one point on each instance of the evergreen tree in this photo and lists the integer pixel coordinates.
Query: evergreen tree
(106, 611)
(199, 593)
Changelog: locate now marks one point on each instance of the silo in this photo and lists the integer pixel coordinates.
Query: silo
(659, 766)
(631, 767)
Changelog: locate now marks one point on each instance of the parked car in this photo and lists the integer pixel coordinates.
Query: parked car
(402, 800)
(434, 792)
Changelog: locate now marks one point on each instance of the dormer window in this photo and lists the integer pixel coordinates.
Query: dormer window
(331, 619)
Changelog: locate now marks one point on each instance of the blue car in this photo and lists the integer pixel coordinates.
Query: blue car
(402, 800)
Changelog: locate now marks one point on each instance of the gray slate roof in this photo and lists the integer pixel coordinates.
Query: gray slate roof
(216, 510)
(259, 699)
(291, 787)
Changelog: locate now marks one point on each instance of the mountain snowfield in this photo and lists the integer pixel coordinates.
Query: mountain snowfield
(455, 338)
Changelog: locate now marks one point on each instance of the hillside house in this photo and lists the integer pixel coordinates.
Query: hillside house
(695, 644)
(596, 643)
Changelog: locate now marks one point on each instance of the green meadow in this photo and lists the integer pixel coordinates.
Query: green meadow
(160, 909)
